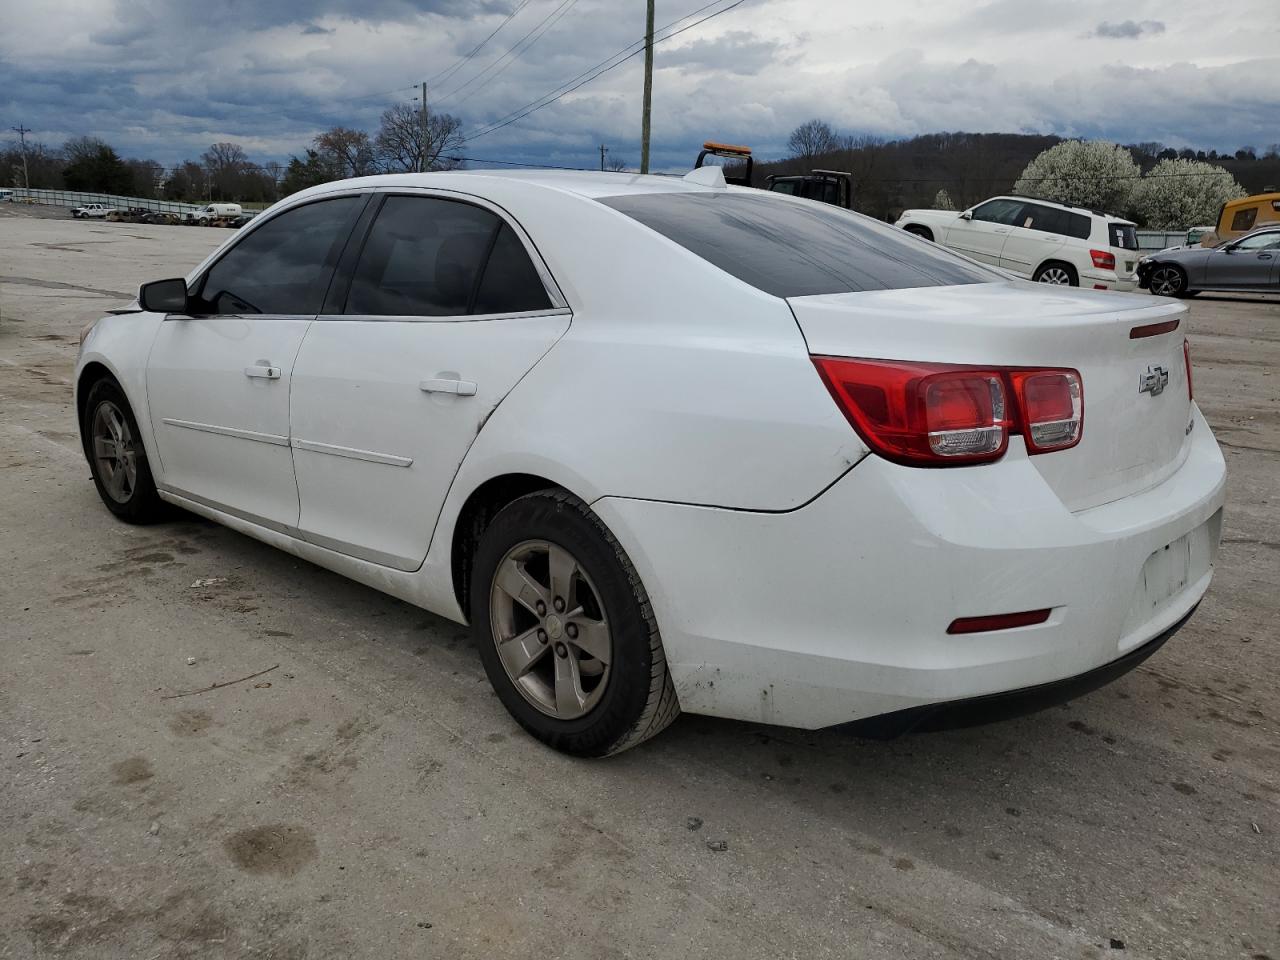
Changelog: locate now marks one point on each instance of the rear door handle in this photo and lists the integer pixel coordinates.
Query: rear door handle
(463, 388)
(263, 370)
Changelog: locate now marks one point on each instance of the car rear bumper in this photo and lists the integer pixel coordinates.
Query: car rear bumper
(838, 611)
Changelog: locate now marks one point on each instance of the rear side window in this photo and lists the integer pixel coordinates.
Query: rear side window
(1045, 219)
(285, 265)
(422, 258)
(1123, 235)
(792, 249)
(510, 283)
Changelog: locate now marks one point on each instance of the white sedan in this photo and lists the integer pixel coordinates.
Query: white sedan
(669, 445)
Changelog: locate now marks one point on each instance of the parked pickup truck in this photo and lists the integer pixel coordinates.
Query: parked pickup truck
(91, 211)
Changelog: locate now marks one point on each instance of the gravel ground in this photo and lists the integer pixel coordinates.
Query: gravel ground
(368, 797)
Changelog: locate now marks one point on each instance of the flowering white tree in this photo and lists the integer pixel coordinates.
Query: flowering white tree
(942, 201)
(1085, 173)
(1177, 194)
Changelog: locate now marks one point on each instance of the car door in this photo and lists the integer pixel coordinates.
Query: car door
(981, 232)
(448, 307)
(218, 378)
(1248, 263)
(1037, 235)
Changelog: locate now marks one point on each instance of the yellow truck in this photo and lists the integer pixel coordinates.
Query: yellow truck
(1238, 217)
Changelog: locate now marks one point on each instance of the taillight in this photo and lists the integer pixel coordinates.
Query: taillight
(1050, 408)
(1186, 358)
(1103, 259)
(934, 415)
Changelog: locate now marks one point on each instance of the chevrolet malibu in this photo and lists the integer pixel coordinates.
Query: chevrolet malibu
(670, 445)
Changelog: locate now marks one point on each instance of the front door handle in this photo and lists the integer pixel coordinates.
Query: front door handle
(264, 370)
(1264, 256)
(462, 388)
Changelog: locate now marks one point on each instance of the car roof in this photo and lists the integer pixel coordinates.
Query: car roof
(584, 183)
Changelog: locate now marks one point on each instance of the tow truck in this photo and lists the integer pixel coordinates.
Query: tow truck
(826, 186)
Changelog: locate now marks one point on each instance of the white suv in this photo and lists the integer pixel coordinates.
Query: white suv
(1045, 241)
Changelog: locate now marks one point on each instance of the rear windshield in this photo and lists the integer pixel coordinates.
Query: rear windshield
(791, 249)
(1123, 235)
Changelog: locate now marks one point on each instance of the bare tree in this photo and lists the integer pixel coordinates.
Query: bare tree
(82, 148)
(350, 151)
(812, 139)
(616, 164)
(226, 164)
(404, 146)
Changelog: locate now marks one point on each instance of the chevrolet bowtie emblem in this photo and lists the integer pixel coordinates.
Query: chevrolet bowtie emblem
(1153, 380)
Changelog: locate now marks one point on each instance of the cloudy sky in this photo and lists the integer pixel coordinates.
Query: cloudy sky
(165, 78)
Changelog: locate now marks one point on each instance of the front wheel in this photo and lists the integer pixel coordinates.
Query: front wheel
(1168, 281)
(117, 459)
(565, 629)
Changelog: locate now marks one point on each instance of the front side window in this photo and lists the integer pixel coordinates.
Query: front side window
(792, 249)
(1002, 211)
(1244, 219)
(1260, 241)
(283, 266)
(431, 257)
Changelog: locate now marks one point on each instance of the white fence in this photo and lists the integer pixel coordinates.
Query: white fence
(71, 198)
(1149, 240)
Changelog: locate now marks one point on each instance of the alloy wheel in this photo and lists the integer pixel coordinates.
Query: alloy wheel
(550, 630)
(114, 452)
(1166, 281)
(1055, 275)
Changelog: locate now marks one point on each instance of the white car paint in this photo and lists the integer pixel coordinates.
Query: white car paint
(796, 577)
(1022, 249)
(92, 211)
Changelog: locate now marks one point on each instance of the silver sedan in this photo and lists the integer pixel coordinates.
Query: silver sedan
(1250, 264)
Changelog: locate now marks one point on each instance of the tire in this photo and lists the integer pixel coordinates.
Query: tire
(1057, 273)
(124, 482)
(593, 700)
(1168, 280)
(923, 232)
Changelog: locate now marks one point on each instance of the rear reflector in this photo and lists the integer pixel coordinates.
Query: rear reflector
(999, 621)
(1186, 358)
(938, 415)
(1154, 329)
(1103, 259)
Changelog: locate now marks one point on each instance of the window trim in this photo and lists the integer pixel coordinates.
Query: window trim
(201, 273)
(559, 305)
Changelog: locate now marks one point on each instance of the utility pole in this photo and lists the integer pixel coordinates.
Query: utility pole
(648, 88)
(422, 153)
(603, 151)
(22, 132)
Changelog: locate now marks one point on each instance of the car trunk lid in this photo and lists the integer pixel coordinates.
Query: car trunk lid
(1136, 399)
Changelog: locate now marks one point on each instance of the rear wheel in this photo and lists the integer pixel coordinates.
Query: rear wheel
(922, 232)
(117, 459)
(1057, 273)
(565, 629)
(1168, 280)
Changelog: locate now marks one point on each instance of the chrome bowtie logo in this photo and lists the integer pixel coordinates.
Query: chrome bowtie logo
(1153, 380)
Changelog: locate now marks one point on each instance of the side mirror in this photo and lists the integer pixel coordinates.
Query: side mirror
(967, 215)
(163, 296)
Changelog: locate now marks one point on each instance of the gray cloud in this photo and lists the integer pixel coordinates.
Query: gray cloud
(1128, 29)
(738, 52)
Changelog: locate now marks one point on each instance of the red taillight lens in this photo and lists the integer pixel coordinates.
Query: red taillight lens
(934, 415)
(1186, 358)
(1050, 407)
(923, 414)
(1103, 259)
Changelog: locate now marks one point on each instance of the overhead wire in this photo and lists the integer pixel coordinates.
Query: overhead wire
(599, 70)
(513, 54)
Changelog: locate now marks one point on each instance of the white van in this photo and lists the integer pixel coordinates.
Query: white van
(6, 195)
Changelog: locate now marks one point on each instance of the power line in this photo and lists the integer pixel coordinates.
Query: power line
(450, 71)
(547, 100)
(513, 54)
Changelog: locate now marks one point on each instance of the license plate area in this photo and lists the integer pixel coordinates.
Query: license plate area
(1168, 572)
